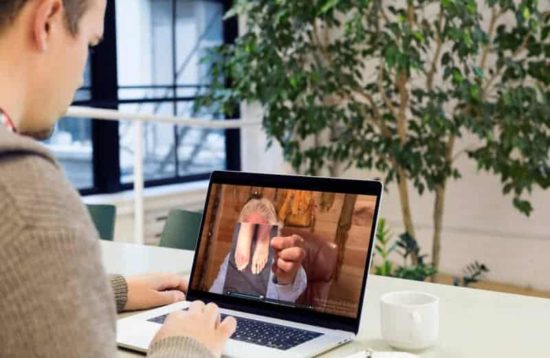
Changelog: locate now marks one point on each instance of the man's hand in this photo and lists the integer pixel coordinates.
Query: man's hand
(201, 323)
(155, 289)
(289, 254)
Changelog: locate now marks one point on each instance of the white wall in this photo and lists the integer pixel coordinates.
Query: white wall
(255, 156)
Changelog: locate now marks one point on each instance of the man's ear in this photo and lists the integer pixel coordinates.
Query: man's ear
(47, 17)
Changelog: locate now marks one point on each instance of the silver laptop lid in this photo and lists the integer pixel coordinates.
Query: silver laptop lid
(291, 247)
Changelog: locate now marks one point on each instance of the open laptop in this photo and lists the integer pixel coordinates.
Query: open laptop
(321, 308)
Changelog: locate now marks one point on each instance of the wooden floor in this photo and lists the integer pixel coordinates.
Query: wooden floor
(496, 286)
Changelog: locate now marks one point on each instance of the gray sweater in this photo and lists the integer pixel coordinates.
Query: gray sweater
(55, 297)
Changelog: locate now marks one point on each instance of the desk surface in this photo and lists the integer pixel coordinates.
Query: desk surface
(130, 259)
(473, 323)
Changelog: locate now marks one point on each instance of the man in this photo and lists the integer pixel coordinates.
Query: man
(55, 298)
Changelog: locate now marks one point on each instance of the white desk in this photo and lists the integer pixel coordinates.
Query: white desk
(474, 323)
(129, 259)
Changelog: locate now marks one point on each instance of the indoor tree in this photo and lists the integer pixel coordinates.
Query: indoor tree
(393, 86)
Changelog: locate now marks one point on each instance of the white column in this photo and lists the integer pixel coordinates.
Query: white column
(138, 184)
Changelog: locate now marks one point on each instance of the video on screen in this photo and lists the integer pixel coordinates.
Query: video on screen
(293, 247)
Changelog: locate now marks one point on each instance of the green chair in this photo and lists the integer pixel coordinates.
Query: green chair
(181, 230)
(104, 217)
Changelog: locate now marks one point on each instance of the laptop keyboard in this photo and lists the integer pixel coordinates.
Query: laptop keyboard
(263, 333)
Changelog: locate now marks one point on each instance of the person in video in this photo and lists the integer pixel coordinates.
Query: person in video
(260, 263)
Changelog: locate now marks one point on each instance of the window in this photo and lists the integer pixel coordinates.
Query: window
(148, 63)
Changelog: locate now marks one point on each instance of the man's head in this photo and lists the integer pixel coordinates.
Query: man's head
(44, 47)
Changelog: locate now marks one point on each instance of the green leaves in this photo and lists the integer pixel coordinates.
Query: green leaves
(520, 150)
(523, 206)
(327, 5)
(385, 246)
(478, 71)
(391, 55)
(338, 79)
(473, 273)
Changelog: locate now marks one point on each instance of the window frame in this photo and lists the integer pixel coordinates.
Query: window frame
(104, 90)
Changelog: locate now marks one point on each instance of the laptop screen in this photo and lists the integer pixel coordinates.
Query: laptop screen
(286, 246)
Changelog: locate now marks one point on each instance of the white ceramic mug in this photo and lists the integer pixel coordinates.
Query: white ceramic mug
(409, 319)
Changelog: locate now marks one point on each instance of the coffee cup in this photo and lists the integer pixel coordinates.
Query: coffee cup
(409, 319)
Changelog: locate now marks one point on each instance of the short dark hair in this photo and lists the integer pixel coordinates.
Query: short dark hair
(74, 9)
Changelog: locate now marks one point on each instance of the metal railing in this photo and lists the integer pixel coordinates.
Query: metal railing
(138, 119)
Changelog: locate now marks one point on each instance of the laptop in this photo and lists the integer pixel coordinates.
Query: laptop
(300, 312)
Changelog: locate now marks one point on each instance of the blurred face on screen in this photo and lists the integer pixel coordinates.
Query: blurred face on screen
(255, 218)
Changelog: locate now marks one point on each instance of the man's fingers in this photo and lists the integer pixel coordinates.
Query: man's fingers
(183, 284)
(167, 281)
(168, 297)
(176, 315)
(212, 314)
(285, 242)
(295, 254)
(196, 306)
(228, 327)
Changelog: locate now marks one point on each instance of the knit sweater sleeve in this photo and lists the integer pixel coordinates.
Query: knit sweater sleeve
(176, 347)
(120, 290)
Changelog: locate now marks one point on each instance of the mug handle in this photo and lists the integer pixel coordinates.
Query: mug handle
(417, 321)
